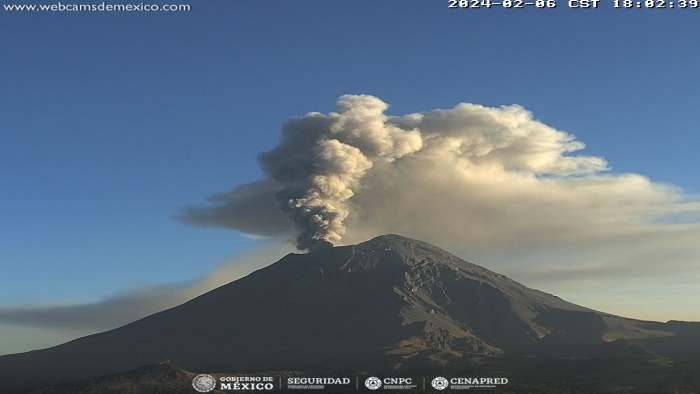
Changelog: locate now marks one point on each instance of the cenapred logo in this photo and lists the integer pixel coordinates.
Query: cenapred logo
(204, 383)
(440, 383)
(373, 383)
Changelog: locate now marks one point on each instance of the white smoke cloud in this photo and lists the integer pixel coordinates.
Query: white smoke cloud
(471, 174)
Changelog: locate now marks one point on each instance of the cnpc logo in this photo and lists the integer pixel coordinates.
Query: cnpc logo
(374, 383)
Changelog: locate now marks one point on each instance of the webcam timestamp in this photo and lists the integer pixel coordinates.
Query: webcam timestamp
(656, 4)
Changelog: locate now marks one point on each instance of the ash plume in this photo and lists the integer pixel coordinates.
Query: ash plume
(488, 180)
(321, 160)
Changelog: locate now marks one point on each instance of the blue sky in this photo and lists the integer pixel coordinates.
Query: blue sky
(110, 123)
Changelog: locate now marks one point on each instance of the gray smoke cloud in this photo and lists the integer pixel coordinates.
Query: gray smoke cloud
(30, 327)
(320, 162)
(316, 168)
(248, 208)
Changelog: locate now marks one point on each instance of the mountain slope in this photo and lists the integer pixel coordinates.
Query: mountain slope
(163, 378)
(388, 302)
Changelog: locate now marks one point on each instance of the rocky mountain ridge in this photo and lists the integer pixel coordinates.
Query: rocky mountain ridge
(391, 302)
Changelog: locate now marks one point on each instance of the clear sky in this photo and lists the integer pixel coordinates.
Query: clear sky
(111, 123)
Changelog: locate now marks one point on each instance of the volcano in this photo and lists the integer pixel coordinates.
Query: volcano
(391, 302)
